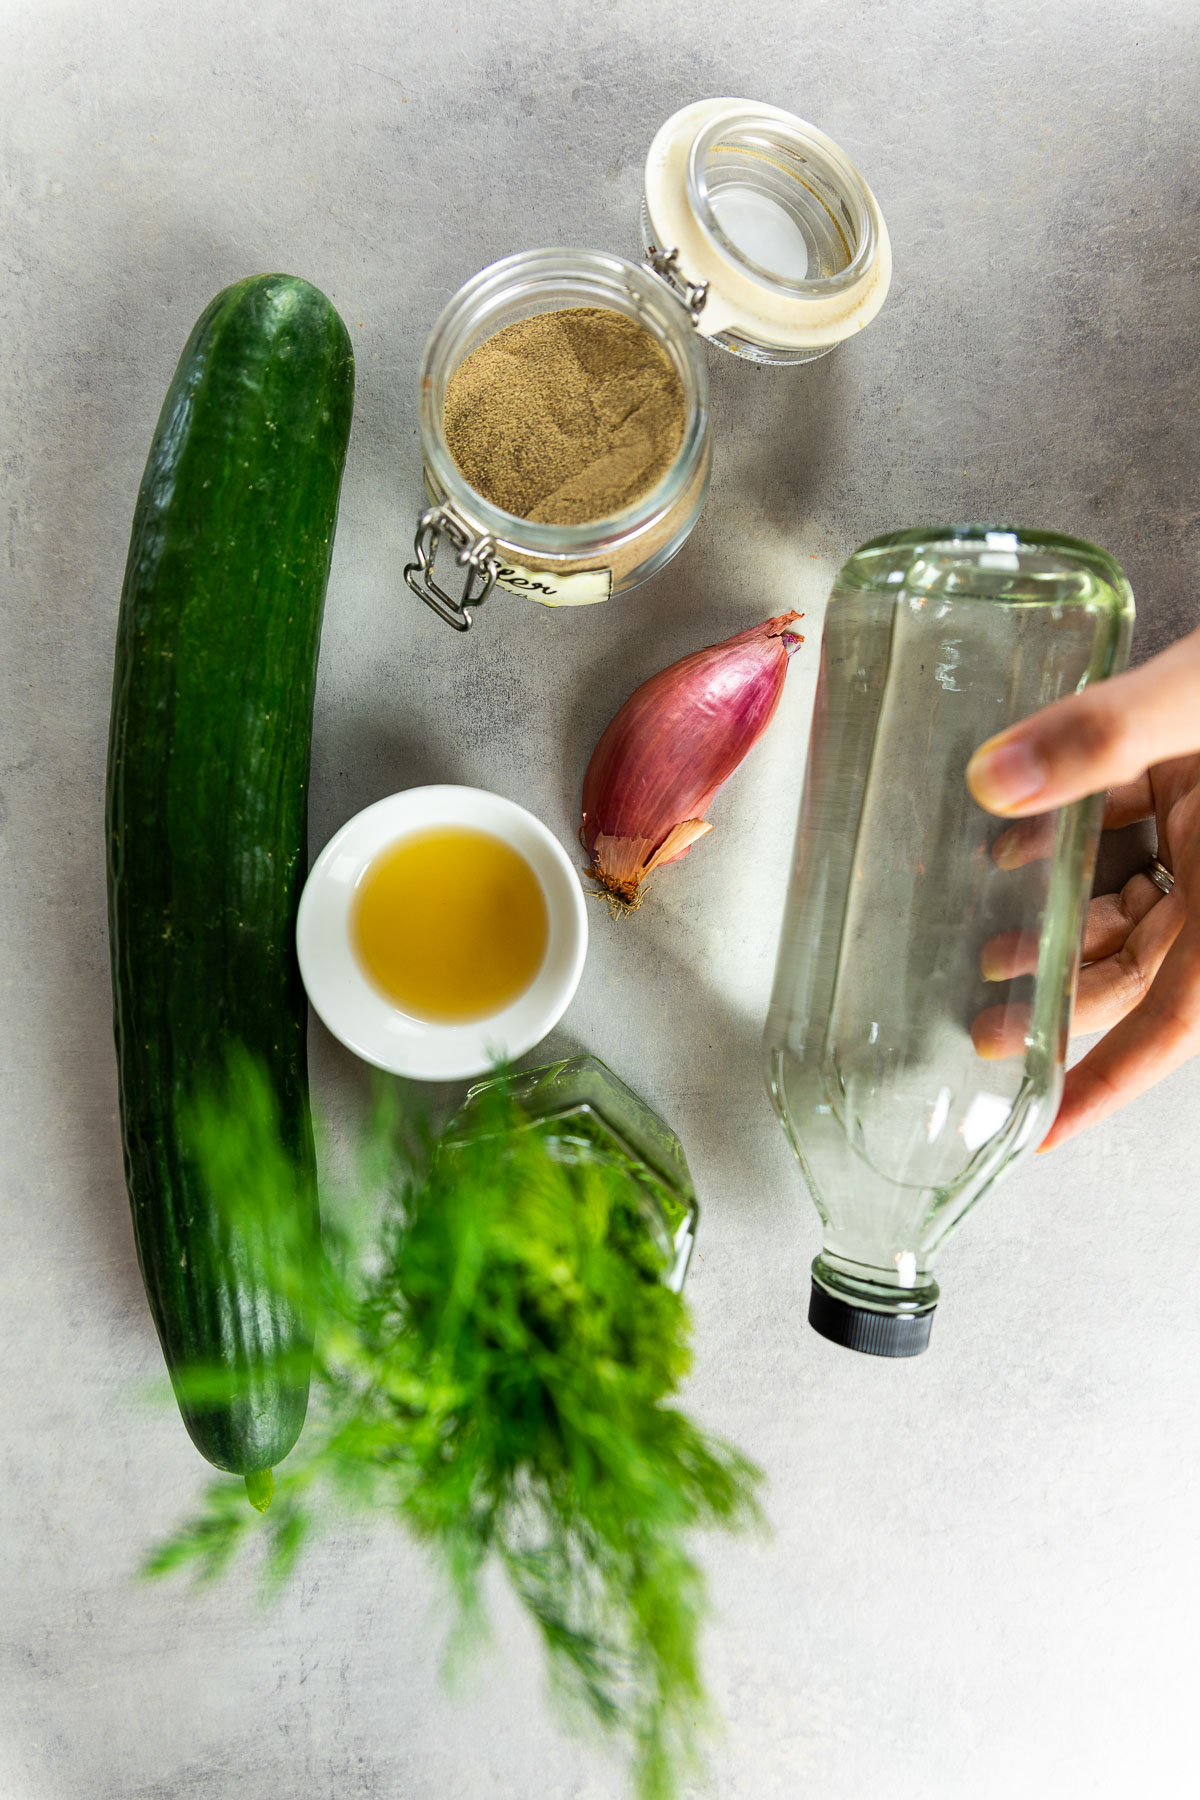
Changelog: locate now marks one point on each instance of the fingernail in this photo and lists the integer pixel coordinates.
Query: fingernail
(992, 966)
(1005, 774)
(1006, 851)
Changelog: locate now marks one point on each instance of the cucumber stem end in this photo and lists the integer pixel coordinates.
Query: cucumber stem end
(260, 1488)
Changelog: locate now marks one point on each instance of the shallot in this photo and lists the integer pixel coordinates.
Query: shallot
(675, 741)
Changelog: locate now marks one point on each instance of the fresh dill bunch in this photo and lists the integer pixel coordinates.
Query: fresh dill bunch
(496, 1357)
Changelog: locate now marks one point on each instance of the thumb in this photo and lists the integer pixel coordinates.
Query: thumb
(1105, 736)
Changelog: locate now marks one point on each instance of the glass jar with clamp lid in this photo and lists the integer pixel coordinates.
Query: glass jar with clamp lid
(761, 236)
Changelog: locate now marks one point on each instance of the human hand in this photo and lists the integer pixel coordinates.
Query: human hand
(1137, 735)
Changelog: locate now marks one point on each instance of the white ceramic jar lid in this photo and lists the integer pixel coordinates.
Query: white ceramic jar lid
(770, 222)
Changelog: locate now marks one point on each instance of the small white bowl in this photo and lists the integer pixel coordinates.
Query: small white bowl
(354, 1009)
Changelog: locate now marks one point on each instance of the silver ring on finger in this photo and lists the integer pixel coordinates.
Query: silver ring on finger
(1160, 875)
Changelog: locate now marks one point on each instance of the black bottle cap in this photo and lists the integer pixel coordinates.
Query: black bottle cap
(874, 1333)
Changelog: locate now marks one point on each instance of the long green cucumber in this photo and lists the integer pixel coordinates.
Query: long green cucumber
(213, 686)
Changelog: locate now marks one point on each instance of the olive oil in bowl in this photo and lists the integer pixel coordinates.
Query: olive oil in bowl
(441, 931)
(450, 924)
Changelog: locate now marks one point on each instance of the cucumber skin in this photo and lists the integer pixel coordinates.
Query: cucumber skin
(207, 802)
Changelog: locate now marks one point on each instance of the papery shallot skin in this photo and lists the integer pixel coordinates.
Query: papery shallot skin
(672, 745)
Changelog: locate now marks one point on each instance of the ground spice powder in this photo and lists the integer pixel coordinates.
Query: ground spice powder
(565, 417)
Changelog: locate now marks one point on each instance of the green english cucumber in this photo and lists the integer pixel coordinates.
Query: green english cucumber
(213, 686)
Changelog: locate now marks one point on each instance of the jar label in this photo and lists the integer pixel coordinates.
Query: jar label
(584, 588)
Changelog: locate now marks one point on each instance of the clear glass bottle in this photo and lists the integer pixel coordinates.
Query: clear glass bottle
(761, 236)
(581, 1110)
(934, 641)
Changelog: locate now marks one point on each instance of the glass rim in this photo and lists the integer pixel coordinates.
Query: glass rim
(795, 134)
(612, 278)
(1001, 539)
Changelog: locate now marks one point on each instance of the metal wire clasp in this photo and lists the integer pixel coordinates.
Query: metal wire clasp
(475, 554)
(665, 264)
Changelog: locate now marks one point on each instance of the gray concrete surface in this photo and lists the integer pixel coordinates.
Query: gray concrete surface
(983, 1575)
